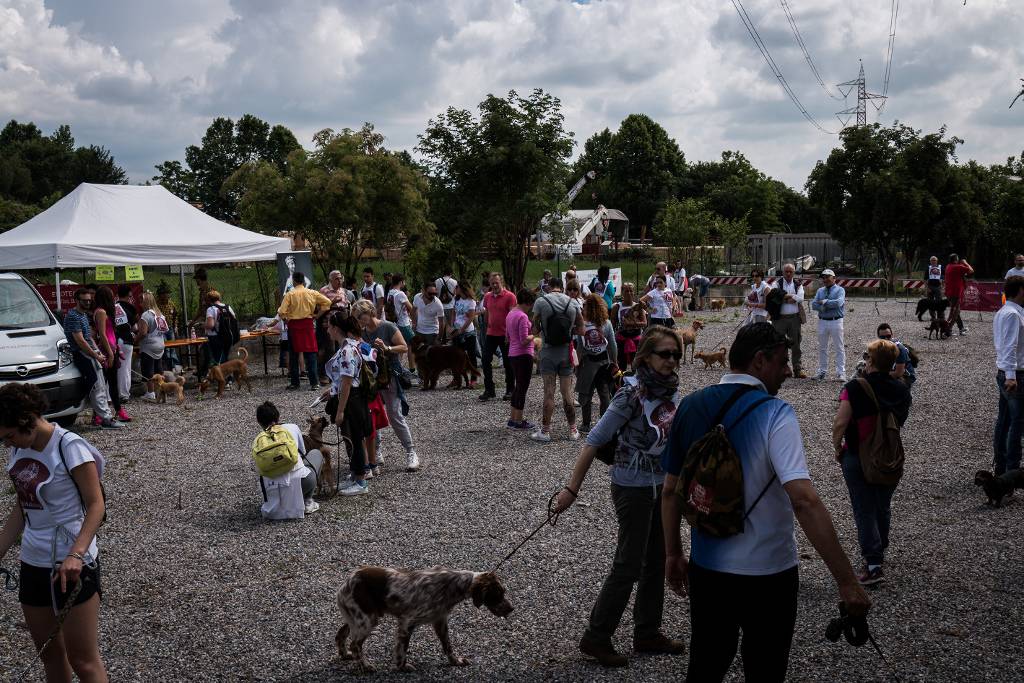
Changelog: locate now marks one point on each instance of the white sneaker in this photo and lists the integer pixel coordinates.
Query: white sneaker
(312, 506)
(541, 435)
(574, 434)
(412, 461)
(842, 378)
(820, 376)
(355, 489)
(380, 458)
(151, 396)
(368, 474)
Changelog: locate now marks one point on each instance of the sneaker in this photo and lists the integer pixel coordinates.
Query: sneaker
(356, 488)
(380, 458)
(507, 396)
(842, 378)
(412, 461)
(523, 426)
(123, 416)
(574, 434)
(151, 396)
(584, 429)
(96, 420)
(820, 376)
(112, 424)
(291, 387)
(660, 644)
(486, 396)
(312, 506)
(870, 577)
(512, 424)
(368, 472)
(541, 435)
(964, 331)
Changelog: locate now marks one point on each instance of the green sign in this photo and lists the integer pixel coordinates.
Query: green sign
(133, 274)
(104, 273)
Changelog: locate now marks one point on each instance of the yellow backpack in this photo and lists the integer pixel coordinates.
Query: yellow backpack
(275, 452)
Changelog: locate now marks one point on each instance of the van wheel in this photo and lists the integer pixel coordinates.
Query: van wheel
(67, 422)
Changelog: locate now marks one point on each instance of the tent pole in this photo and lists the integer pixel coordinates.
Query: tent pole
(184, 303)
(58, 290)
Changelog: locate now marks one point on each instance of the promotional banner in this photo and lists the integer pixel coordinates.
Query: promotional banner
(104, 273)
(289, 262)
(585, 277)
(67, 294)
(982, 296)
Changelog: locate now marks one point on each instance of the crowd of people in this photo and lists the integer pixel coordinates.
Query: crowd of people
(740, 572)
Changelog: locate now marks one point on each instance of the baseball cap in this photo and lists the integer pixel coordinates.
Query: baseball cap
(828, 271)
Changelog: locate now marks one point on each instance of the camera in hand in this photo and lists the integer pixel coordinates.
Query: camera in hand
(854, 629)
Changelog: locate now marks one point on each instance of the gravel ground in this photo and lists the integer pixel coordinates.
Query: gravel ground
(204, 590)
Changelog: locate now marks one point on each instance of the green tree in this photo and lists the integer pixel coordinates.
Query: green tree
(36, 170)
(347, 195)
(884, 188)
(495, 177)
(13, 214)
(683, 224)
(225, 146)
(639, 168)
(734, 189)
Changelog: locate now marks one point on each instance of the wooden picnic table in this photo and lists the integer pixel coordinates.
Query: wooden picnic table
(191, 346)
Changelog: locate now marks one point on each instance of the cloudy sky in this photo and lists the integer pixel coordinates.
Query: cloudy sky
(145, 78)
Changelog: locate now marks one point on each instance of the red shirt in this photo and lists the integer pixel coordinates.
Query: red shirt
(498, 306)
(956, 273)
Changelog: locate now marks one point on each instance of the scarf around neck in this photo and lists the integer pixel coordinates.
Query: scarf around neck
(656, 385)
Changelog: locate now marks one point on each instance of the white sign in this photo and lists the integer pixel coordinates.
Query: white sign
(586, 276)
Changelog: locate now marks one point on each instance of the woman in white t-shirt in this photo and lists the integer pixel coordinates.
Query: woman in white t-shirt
(346, 405)
(58, 509)
(755, 302)
(464, 330)
(149, 335)
(662, 301)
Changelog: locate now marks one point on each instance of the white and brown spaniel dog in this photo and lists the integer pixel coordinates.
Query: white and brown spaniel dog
(413, 597)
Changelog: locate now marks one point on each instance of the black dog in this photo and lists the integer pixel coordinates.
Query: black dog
(997, 488)
(936, 307)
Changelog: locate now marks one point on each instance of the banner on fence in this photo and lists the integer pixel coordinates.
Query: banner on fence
(586, 276)
(982, 296)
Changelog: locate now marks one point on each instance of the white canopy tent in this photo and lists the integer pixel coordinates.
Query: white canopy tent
(129, 224)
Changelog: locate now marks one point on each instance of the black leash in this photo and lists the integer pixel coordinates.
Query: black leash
(551, 519)
(10, 580)
(892, 670)
(856, 632)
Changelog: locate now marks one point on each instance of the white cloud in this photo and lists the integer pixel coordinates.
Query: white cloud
(145, 80)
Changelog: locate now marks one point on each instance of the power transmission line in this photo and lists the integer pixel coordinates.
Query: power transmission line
(894, 13)
(763, 49)
(803, 48)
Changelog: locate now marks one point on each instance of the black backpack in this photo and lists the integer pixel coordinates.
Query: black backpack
(445, 295)
(227, 324)
(558, 328)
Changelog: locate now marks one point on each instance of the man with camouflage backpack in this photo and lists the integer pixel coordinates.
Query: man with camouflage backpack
(741, 499)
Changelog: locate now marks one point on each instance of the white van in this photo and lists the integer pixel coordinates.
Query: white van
(33, 349)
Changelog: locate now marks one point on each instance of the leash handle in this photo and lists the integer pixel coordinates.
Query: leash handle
(10, 580)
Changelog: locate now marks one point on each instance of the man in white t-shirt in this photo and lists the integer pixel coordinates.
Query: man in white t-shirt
(1018, 267)
(398, 303)
(428, 314)
(749, 581)
(446, 293)
(372, 291)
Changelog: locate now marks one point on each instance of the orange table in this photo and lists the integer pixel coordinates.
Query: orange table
(188, 344)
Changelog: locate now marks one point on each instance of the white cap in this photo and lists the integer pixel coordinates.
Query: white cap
(828, 271)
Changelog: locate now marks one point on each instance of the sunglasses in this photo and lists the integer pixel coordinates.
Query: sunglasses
(674, 355)
(885, 336)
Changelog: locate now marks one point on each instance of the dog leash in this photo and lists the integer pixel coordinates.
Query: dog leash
(892, 670)
(551, 519)
(717, 345)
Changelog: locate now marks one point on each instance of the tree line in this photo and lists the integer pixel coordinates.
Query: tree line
(483, 181)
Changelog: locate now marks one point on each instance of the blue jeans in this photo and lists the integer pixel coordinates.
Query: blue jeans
(1009, 427)
(871, 510)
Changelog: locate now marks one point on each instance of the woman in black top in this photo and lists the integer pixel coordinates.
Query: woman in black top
(856, 420)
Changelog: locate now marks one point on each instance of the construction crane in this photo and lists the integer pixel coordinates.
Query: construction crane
(589, 175)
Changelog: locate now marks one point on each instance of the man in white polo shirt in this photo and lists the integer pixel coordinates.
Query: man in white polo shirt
(428, 314)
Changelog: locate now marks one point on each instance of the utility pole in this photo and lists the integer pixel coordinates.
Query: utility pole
(861, 110)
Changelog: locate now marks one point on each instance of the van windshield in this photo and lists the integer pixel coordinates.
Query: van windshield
(20, 307)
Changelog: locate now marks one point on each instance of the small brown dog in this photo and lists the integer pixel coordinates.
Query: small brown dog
(162, 387)
(688, 335)
(431, 361)
(710, 358)
(718, 304)
(313, 439)
(236, 367)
